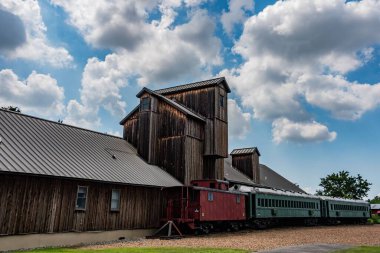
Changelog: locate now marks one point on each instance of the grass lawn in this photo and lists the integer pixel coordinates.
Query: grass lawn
(141, 250)
(363, 249)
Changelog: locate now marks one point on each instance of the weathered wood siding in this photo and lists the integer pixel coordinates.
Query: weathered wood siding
(194, 150)
(248, 164)
(131, 129)
(201, 101)
(171, 141)
(30, 204)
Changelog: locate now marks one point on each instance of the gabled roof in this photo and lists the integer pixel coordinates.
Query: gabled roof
(271, 178)
(31, 145)
(173, 103)
(129, 115)
(245, 151)
(268, 178)
(195, 85)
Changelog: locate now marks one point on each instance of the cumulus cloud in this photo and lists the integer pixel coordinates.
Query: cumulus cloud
(299, 51)
(286, 130)
(238, 121)
(36, 46)
(12, 31)
(39, 94)
(237, 13)
(150, 52)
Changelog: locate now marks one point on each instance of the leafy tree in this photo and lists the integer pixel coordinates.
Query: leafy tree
(12, 108)
(376, 200)
(343, 185)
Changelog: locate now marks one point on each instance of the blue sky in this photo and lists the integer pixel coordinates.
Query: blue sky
(305, 75)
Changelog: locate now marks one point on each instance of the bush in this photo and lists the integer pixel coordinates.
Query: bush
(375, 219)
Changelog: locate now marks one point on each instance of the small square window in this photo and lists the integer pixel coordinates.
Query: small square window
(115, 200)
(210, 196)
(145, 104)
(81, 198)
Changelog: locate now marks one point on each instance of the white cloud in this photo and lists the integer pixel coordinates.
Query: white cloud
(238, 121)
(286, 130)
(39, 94)
(236, 13)
(36, 46)
(299, 51)
(152, 53)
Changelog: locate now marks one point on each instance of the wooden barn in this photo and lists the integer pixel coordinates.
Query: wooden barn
(57, 180)
(61, 184)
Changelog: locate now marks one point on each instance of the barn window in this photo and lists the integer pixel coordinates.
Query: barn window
(81, 198)
(145, 104)
(238, 199)
(115, 200)
(210, 196)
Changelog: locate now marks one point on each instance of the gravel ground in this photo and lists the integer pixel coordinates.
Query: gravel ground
(256, 240)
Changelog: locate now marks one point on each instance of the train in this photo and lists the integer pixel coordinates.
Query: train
(211, 205)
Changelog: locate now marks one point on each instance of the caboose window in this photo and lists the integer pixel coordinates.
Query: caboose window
(210, 196)
(238, 199)
(145, 104)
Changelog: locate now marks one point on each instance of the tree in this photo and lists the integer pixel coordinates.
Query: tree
(12, 108)
(376, 200)
(343, 185)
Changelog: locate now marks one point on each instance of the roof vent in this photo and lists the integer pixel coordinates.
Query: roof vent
(1, 141)
(113, 156)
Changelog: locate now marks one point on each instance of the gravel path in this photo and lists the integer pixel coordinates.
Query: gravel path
(257, 240)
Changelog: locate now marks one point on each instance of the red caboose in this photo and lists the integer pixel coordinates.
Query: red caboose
(205, 205)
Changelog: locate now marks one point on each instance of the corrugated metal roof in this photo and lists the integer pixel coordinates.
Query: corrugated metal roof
(195, 85)
(271, 178)
(375, 206)
(234, 175)
(245, 151)
(268, 178)
(35, 146)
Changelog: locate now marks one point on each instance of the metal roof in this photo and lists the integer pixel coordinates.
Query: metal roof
(234, 175)
(245, 151)
(36, 146)
(243, 188)
(271, 178)
(268, 178)
(375, 206)
(196, 85)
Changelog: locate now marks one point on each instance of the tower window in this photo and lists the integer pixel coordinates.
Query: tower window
(145, 104)
(221, 100)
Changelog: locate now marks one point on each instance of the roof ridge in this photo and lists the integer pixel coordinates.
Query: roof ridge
(186, 84)
(57, 123)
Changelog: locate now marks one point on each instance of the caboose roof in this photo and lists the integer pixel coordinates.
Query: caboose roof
(34, 146)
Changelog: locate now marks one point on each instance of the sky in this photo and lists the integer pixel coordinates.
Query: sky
(304, 74)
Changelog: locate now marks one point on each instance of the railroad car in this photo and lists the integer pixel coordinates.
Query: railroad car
(336, 210)
(268, 206)
(210, 204)
(206, 205)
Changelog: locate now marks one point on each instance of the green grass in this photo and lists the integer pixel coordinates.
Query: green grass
(142, 250)
(363, 249)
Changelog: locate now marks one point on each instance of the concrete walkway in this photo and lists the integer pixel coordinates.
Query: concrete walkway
(309, 248)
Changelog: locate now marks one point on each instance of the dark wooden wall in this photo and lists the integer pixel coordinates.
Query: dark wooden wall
(30, 204)
(248, 164)
(131, 129)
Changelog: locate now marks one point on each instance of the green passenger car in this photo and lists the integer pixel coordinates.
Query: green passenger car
(270, 203)
(342, 208)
